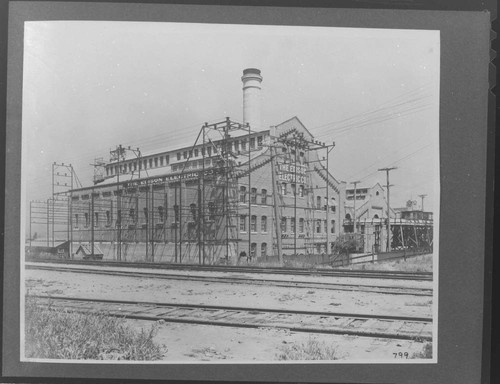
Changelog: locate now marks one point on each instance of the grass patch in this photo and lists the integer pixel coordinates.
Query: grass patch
(421, 263)
(425, 303)
(312, 349)
(426, 352)
(59, 334)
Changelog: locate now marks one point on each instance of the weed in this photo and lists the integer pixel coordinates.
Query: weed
(425, 303)
(426, 352)
(59, 334)
(312, 349)
(420, 263)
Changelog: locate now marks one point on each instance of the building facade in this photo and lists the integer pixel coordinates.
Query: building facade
(263, 193)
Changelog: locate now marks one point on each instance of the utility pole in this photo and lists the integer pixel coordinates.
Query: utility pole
(250, 198)
(92, 223)
(118, 206)
(354, 208)
(387, 170)
(277, 218)
(295, 197)
(422, 197)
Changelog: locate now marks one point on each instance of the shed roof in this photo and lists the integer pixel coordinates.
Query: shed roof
(87, 249)
(43, 243)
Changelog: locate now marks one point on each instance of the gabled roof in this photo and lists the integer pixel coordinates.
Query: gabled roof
(297, 120)
(362, 186)
(86, 248)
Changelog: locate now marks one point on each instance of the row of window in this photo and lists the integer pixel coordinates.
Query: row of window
(126, 167)
(320, 202)
(160, 161)
(286, 225)
(191, 165)
(320, 248)
(253, 250)
(160, 216)
(235, 146)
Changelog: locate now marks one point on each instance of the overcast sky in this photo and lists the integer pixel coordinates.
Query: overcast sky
(89, 86)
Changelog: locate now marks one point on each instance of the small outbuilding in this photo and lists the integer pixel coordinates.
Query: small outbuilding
(47, 249)
(84, 251)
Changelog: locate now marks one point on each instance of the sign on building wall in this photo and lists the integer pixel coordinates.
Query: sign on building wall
(293, 173)
(167, 179)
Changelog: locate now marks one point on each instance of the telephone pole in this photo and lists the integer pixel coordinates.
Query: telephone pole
(387, 170)
(422, 197)
(354, 210)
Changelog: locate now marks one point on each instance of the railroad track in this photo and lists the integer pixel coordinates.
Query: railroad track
(368, 325)
(393, 290)
(394, 275)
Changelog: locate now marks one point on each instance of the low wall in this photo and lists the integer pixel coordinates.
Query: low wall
(188, 253)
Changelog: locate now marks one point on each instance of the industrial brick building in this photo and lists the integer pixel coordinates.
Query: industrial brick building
(238, 188)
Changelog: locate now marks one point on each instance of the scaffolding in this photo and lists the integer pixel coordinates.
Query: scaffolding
(194, 213)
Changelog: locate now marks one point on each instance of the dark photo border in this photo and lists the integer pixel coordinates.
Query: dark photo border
(467, 135)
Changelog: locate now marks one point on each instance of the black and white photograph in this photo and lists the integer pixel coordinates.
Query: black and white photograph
(221, 193)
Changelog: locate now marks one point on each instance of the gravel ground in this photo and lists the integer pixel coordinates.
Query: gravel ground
(211, 343)
(189, 343)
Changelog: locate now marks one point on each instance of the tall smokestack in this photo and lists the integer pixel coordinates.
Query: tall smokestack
(251, 97)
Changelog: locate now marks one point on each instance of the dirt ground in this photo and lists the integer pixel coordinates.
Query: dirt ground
(211, 343)
(226, 344)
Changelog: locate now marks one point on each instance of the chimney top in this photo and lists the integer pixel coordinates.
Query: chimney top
(251, 70)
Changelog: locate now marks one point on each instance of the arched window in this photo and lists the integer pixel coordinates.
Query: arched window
(243, 194)
(108, 218)
(96, 219)
(86, 219)
(332, 229)
(283, 188)
(263, 224)
(253, 250)
(76, 220)
(283, 224)
(192, 208)
(263, 196)
(318, 226)
(301, 225)
(161, 213)
(146, 214)
(211, 211)
(243, 223)
(253, 196)
(318, 202)
(348, 216)
(301, 191)
(253, 223)
(375, 217)
(263, 250)
(333, 204)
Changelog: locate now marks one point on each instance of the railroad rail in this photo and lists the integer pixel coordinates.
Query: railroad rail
(368, 325)
(393, 290)
(394, 275)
